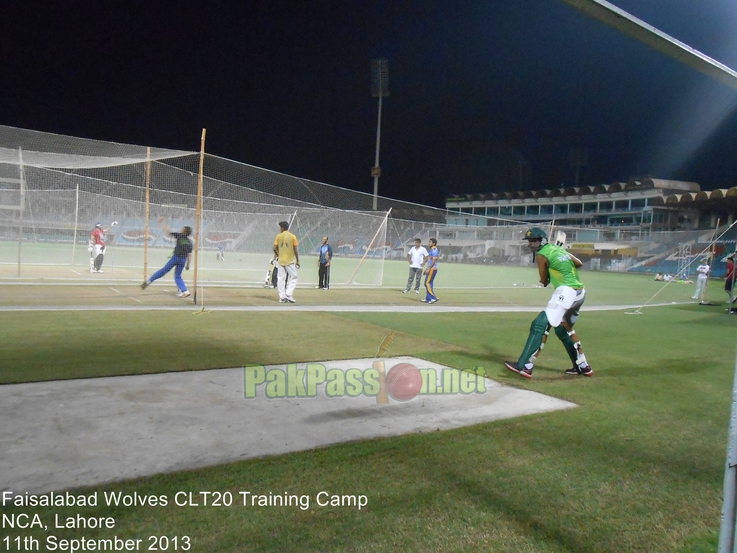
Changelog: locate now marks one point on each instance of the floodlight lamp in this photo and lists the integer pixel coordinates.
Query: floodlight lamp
(379, 77)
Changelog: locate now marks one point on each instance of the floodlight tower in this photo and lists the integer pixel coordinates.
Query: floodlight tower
(380, 88)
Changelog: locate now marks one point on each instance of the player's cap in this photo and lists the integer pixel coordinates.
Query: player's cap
(98, 224)
(536, 233)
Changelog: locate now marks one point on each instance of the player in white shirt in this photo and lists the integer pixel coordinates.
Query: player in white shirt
(416, 258)
(703, 273)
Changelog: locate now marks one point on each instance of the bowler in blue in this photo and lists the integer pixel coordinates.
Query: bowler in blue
(430, 271)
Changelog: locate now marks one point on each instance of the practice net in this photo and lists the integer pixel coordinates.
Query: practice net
(54, 189)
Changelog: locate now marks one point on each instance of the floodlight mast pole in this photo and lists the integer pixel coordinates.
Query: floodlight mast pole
(380, 88)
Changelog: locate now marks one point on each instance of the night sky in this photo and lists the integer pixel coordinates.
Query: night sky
(484, 95)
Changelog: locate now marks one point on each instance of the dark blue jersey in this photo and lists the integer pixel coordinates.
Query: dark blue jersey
(183, 245)
(326, 253)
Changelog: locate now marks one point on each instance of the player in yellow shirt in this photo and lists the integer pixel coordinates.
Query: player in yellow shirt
(285, 248)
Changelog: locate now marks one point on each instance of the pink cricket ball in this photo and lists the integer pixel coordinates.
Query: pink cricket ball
(404, 381)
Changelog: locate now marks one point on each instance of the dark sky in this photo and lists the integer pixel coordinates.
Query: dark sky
(485, 95)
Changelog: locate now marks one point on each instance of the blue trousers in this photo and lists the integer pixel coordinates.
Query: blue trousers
(429, 279)
(177, 263)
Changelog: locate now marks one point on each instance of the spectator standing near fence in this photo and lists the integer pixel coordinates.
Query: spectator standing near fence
(416, 257)
(323, 265)
(702, 274)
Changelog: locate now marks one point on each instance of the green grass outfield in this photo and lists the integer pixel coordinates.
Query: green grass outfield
(638, 467)
(239, 282)
(63, 263)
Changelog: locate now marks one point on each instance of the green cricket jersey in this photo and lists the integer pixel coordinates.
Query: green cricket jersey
(561, 268)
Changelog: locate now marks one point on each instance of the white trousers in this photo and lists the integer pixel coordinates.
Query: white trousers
(700, 286)
(565, 302)
(284, 270)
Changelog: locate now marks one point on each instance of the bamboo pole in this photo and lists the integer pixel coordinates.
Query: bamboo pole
(76, 221)
(22, 205)
(148, 213)
(198, 213)
(712, 254)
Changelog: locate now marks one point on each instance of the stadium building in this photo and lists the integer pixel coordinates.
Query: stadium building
(642, 204)
(645, 224)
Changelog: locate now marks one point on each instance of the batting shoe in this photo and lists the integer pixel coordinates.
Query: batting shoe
(434, 300)
(417, 291)
(512, 366)
(290, 299)
(405, 291)
(283, 300)
(581, 371)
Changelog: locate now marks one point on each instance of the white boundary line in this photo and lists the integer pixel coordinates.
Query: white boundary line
(329, 308)
(10, 281)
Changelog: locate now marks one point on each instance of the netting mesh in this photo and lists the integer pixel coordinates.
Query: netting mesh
(41, 149)
(60, 209)
(54, 189)
(642, 251)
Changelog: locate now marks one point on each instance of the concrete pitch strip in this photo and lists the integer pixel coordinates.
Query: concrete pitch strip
(63, 434)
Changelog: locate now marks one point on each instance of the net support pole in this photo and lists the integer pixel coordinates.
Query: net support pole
(147, 214)
(378, 230)
(729, 507)
(76, 221)
(22, 204)
(712, 255)
(292, 218)
(731, 288)
(198, 213)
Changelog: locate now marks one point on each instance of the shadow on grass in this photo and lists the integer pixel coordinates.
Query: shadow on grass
(495, 369)
(523, 513)
(667, 367)
(702, 544)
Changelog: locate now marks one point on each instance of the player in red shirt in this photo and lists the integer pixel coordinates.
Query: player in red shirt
(97, 246)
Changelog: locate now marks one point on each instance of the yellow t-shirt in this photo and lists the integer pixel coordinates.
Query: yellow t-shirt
(285, 242)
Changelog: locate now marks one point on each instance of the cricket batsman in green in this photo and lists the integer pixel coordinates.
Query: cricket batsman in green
(555, 264)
